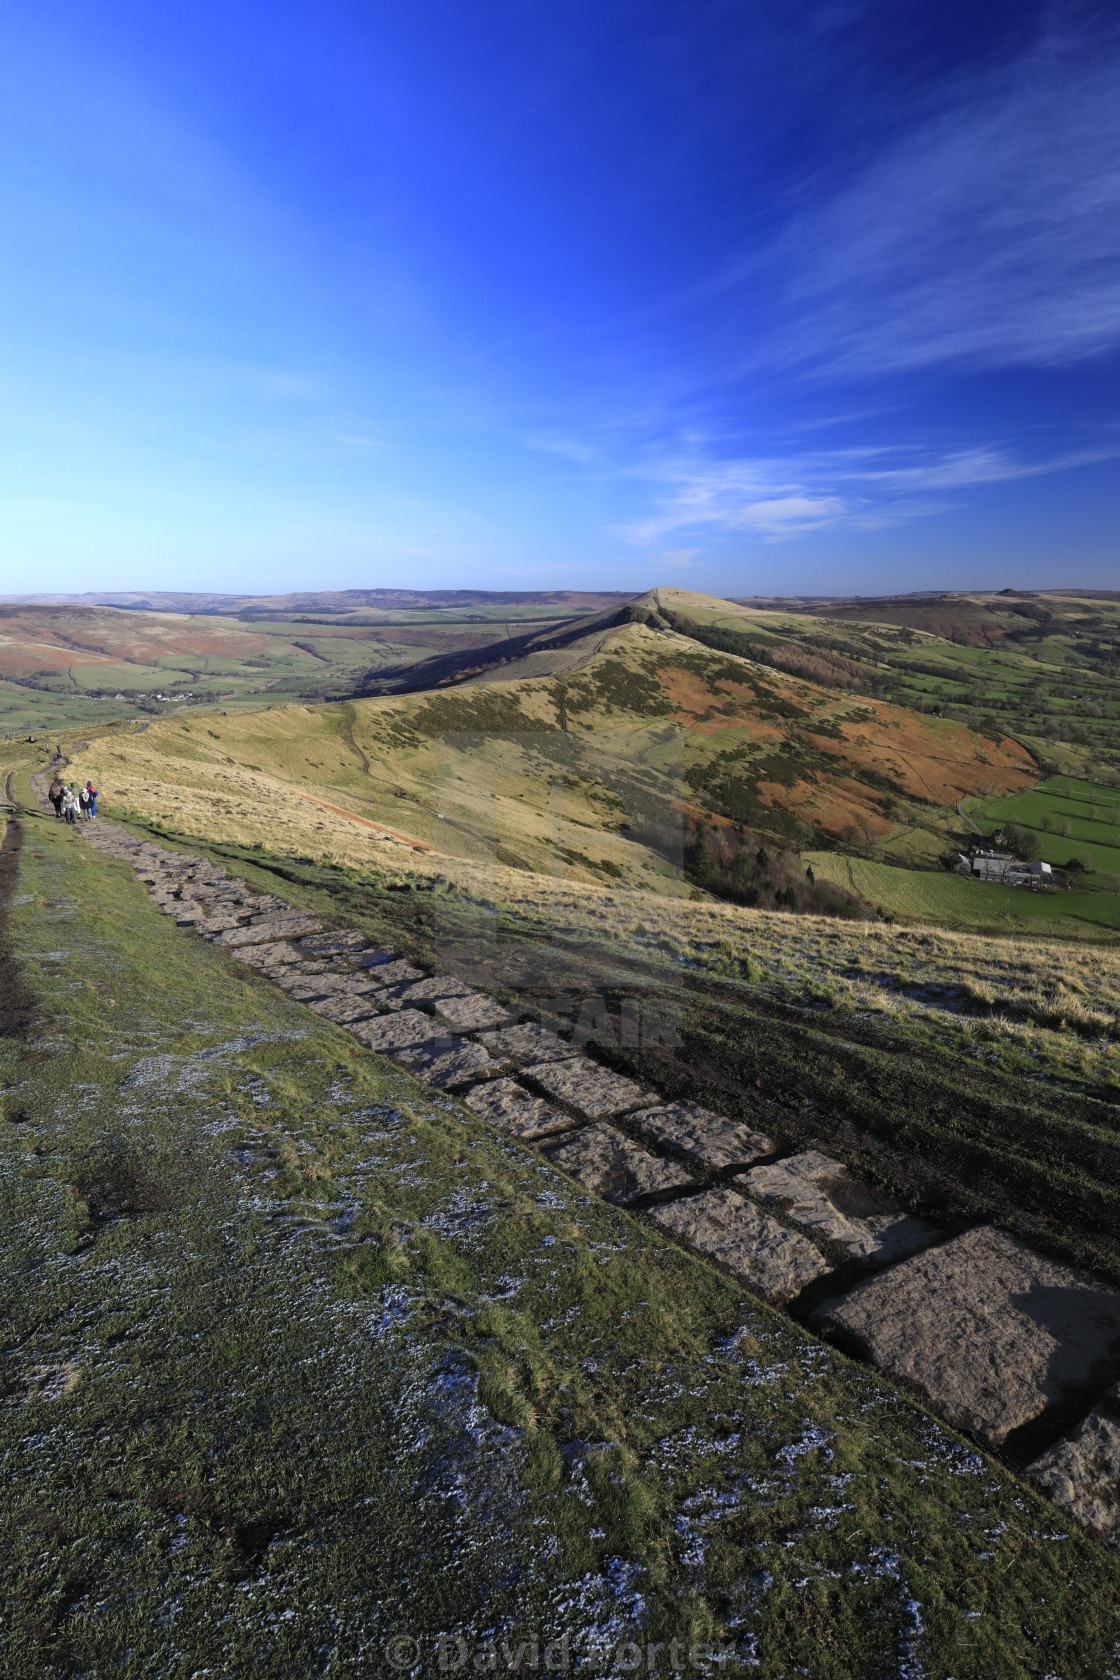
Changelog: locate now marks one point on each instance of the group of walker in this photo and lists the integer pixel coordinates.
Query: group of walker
(70, 806)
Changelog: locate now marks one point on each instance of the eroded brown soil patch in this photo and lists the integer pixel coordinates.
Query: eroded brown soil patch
(112, 1188)
(703, 711)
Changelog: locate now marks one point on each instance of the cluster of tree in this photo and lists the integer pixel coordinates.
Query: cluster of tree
(818, 665)
(1023, 842)
(736, 865)
(740, 866)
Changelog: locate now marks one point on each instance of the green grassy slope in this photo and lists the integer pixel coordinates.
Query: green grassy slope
(1044, 667)
(954, 901)
(263, 1274)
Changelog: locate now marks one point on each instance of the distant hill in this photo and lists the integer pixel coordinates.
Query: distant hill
(1042, 666)
(342, 603)
(64, 664)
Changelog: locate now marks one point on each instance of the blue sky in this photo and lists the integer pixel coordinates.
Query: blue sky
(773, 298)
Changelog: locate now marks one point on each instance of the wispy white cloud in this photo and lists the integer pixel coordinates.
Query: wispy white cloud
(859, 488)
(986, 234)
(989, 235)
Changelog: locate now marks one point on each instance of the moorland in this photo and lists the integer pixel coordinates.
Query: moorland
(86, 659)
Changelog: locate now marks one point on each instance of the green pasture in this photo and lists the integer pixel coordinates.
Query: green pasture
(329, 660)
(34, 710)
(1072, 818)
(927, 895)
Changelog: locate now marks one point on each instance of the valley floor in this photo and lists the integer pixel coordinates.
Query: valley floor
(310, 1370)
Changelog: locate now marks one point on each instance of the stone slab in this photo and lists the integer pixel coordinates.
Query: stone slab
(823, 1196)
(471, 1014)
(395, 1032)
(433, 987)
(608, 1164)
(528, 1042)
(745, 1241)
(373, 959)
(588, 1088)
(991, 1332)
(330, 944)
(1082, 1473)
(709, 1139)
(396, 973)
(506, 1105)
(303, 986)
(214, 923)
(445, 1067)
(274, 956)
(343, 1011)
(263, 933)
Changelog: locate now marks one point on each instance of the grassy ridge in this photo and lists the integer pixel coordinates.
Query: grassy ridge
(648, 725)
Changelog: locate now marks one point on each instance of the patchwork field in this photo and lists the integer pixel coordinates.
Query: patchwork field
(1070, 818)
(69, 664)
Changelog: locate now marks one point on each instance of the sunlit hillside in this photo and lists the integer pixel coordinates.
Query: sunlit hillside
(290, 782)
(648, 724)
(1044, 667)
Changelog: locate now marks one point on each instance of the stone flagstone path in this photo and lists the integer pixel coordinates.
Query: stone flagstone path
(990, 1333)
